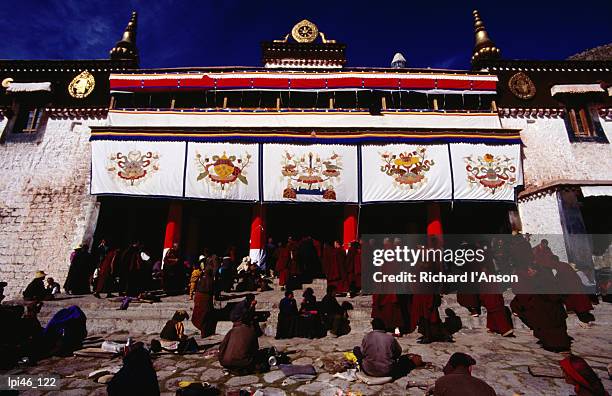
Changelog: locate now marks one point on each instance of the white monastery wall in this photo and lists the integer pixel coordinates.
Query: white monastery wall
(549, 155)
(540, 217)
(45, 206)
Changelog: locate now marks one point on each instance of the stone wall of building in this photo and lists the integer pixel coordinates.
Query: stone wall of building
(540, 217)
(549, 155)
(45, 206)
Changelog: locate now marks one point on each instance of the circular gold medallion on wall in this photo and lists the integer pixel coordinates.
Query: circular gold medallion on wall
(305, 32)
(521, 86)
(82, 85)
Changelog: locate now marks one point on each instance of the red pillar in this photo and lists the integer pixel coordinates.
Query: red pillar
(173, 225)
(434, 226)
(350, 225)
(258, 236)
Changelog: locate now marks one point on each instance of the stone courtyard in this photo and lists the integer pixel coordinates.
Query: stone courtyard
(502, 362)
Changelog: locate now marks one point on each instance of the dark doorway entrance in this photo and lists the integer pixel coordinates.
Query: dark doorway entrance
(393, 218)
(478, 218)
(323, 222)
(217, 226)
(123, 220)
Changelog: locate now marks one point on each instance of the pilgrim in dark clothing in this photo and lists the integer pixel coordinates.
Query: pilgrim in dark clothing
(287, 317)
(239, 350)
(380, 355)
(271, 256)
(137, 376)
(174, 329)
(458, 380)
(227, 274)
(244, 306)
(334, 316)
(32, 333)
(310, 324)
(294, 274)
(81, 268)
(36, 291)
(308, 260)
(203, 309)
(173, 271)
(66, 331)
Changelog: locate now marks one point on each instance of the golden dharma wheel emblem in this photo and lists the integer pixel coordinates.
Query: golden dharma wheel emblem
(305, 32)
(521, 86)
(81, 86)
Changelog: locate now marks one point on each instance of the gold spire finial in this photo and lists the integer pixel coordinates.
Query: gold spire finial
(126, 47)
(484, 47)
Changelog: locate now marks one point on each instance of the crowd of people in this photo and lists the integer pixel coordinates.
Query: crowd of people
(131, 271)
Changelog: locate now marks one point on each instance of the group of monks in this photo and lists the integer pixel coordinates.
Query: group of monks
(299, 262)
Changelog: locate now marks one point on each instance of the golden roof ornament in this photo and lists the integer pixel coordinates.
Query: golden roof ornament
(484, 47)
(82, 85)
(305, 31)
(126, 47)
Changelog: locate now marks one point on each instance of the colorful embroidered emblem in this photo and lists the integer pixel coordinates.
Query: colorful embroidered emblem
(491, 172)
(311, 175)
(135, 166)
(223, 171)
(407, 169)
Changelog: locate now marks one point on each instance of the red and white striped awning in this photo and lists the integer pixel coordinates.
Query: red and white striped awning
(279, 81)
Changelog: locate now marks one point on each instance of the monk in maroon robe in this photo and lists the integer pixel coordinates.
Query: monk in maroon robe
(105, 273)
(499, 317)
(568, 279)
(353, 264)
(337, 271)
(281, 265)
(328, 254)
(387, 308)
(292, 263)
(203, 317)
(544, 314)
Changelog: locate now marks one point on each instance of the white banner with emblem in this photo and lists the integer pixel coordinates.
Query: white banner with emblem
(486, 172)
(137, 168)
(310, 173)
(405, 172)
(222, 171)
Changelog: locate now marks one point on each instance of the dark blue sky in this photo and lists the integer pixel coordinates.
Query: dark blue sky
(205, 33)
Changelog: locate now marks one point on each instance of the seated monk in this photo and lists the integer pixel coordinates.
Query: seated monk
(578, 373)
(287, 317)
(174, 330)
(380, 355)
(458, 381)
(310, 324)
(239, 350)
(334, 315)
(36, 291)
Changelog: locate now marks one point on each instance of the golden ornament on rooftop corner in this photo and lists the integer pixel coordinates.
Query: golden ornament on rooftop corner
(82, 85)
(521, 86)
(305, 32)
